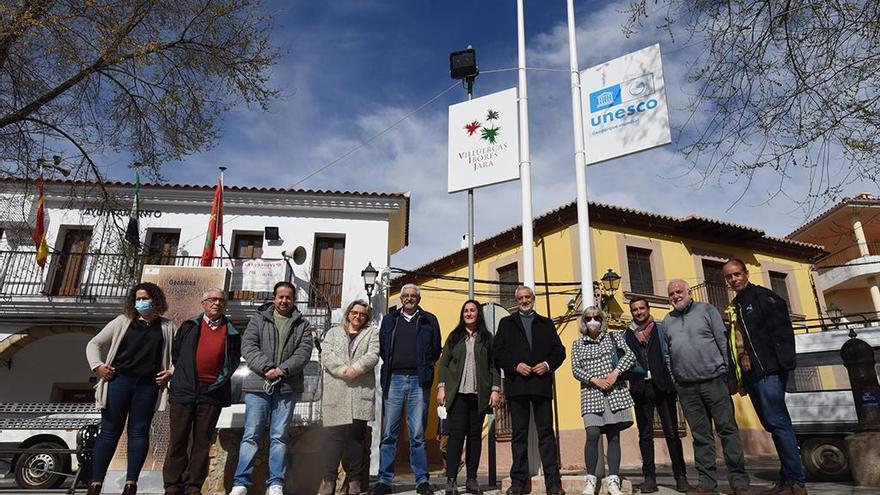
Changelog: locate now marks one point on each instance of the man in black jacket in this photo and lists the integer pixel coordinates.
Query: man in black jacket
(653, 390)
(528, 349)
(205, 354)
(763, 352)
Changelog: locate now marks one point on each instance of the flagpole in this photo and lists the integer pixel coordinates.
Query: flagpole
(222, 246)
(580, 162)
(525, 164)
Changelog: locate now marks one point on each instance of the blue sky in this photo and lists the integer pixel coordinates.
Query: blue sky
(353, 67)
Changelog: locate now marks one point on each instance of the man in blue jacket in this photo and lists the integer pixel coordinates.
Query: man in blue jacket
(409, 344)
(763, 351)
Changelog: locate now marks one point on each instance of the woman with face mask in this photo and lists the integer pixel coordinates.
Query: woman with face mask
(599, 358)
(132, 357)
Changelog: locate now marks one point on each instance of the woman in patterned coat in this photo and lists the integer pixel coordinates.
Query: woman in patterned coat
(598, 359)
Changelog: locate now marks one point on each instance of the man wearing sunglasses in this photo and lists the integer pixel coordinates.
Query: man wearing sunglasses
(529, 350)
(205, 354)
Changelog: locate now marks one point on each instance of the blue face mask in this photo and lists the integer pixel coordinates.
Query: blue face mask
(143, 306)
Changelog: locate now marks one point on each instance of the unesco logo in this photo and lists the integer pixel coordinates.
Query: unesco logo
(636, 91)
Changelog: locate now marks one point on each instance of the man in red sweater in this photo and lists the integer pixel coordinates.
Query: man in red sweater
(206, 352)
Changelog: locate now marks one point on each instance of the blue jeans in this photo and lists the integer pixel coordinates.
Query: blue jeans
(260, 409)
(131, 398)
(404, 389)
(768, 398)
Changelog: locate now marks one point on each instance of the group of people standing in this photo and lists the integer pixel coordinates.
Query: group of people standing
(144, 365)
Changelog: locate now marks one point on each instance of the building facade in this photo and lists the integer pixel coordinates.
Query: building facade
(47, 315)
(848, 278)
(647, 250)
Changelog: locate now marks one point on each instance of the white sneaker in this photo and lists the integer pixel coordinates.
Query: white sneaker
(589, 486)
(275, 490)
(613, 485)
(238, 490)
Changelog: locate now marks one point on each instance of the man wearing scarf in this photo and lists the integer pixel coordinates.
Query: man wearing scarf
(654, 390)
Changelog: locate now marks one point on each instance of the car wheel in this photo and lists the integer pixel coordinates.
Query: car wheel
(825, 459)
(36, 469)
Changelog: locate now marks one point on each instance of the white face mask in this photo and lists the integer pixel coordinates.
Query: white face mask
(593, 325)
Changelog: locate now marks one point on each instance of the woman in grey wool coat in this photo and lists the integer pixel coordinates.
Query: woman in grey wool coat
(349, 353)
(598, 359)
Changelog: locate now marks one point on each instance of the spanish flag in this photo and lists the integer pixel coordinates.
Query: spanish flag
(215, 225)
(40, 228)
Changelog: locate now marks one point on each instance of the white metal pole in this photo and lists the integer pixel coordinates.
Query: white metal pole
(470, 196)
(222, 246)
(580, 163)
(525, 174)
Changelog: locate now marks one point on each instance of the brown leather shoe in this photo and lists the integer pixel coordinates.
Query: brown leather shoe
(649, 486)
(742, 490)
(701, 488)
(94, 489)
(797, 489)
(328, 487)
(130, 488)
(515, 490)
(775, 489)
(354, 488)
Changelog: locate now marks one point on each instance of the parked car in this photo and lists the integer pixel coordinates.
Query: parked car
(820, 401)
(35, 466)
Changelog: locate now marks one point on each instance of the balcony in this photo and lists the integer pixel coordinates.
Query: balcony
(90, 285)
(848, 268)
(714, 293)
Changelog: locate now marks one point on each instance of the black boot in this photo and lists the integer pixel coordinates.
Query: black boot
(451, 489)
(472, 486)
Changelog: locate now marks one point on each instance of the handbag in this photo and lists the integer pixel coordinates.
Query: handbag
(616, 353)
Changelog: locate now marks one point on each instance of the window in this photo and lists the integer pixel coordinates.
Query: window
(778, 285)
(247, 246)
(507, 291)
(641, 280)
(327, 270)
(162, 249)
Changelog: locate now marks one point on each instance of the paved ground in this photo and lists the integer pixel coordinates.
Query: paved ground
(762, 470)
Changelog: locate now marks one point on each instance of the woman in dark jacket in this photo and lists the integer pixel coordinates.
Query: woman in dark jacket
(469, 384)
(132, 357)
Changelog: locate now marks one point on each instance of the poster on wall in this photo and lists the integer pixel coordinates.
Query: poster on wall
(483, 141)
(625, 108)
(262, 275)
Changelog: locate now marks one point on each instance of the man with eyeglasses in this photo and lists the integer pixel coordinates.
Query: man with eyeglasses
(205, 354)
(698, 357)
(409, 345)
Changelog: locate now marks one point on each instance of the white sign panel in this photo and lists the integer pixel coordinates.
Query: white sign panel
(483, 141)
(625, 109)
(261, 275)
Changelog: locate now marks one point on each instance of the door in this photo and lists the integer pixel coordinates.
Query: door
(69, 263)
(162, 249)
(716, 288)
(246, 247)
(327, 271)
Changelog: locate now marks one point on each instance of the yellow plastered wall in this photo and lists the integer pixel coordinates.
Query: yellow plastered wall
(678, 258)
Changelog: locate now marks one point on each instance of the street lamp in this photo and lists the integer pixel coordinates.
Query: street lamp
(370, 275)
(610, 282)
